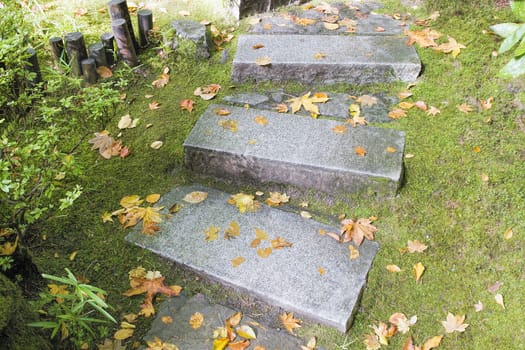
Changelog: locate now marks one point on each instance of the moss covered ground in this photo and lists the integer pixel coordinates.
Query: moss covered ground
(457, 198)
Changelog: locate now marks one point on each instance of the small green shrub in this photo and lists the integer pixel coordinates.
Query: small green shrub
(69, 309)
(514, 34)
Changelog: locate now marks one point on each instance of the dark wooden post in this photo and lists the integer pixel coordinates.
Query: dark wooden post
(119, 9)
(89, 69)
(33, 67)
(98, 53)
(145, 21)
(76, 51)
(108, 40)
(125, 47)
(57, 48)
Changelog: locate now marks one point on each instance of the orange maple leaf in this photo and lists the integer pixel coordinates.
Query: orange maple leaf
(187, 104)
(452, 46)
(357, 230)
(151, 284)
(424, 38)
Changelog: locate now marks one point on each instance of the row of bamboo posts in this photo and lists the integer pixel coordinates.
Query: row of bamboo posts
(83, 62)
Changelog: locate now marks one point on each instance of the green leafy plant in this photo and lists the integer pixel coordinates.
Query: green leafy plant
(514, 34)
(71, 310)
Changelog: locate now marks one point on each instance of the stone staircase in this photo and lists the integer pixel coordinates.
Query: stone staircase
(314, 277)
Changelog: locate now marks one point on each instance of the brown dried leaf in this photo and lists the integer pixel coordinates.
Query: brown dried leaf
(187, 104)
(289, 322)
(360, 151)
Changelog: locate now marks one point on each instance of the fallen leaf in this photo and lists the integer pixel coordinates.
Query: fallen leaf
(465, 108)
(187, 104)
(153, 198)
(307, 102)
(321, 271)
(433, 111)
(402, 322)
(229, 124)
(454, 323)
(207, 92)
(195, 197)
(357, 230)
(154, 105)
(379, 29)
(391, 149)
(354, 253)
(305, 21)
(222, 112)
(239, 345)
(494, 287)
(409, 155)
(246, 332)
(220, 343)
(406, 105)
(184, 13)
(261, 120)
(383, 332)
(196, 320)
(486, 104)
(232, 231)
(416, 247)
(237, 261)
(508, 233)
(104, 72)
(421, 105)
(432, 343)
(331, 26)
(264, 252)
(244, 202)
(360, 151)
(371, 342)
(104, 143)
(279, 243)
(166, 319)
(418, 271)
(312, 343)
(404, 94)
(451, 46)
(424, 38)
(156, 144)
(289, 322)
(306, 215)
(393, 268)
(367, 100)
(499, 300)
(476, 149)
(478, 307)
(281, 108)
(124, 333)
(162, 81)
(277, 198)
(257, 46)
(339, 129)
(79, 12)
(397, 113)
(263, 61)
(211, 233)
(320, 55)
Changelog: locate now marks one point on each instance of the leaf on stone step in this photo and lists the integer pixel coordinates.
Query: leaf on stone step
(360, 151)
(239, 345)
(263, 61)
(246, 332)
(261, 234)
(220, 343)
(153, 198)
(354, 253)
(331, 26)
(195, 197)
(305, 214)
(308, 102)
(289, 322)
(196, 320)
(211, 233)
(339, 129)
(244, 202)
(232, 231)
(257, 46)
(222, 112)
(358, 230)
(312, 343)
(367, 100)
(281, 108)
(321, 271)
(229, 124)
(237, 261)
(391, 149)
(264, 252)
(261, 120)
(279, 243)
(320, 55)
(277, 198)
(305, 21)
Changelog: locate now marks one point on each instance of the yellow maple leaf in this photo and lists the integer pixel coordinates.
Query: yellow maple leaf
(357, 230)
(244, 202)
(307, 102)
(232, 231)
(418, 270)
(452, 46)
(212, 233)
(196, 320)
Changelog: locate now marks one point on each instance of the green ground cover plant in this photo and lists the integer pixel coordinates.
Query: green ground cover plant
(463, 192)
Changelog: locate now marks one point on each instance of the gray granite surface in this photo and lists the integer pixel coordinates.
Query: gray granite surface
(295, 150)
(288, 278)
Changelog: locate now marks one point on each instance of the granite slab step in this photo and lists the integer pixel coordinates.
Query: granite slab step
(180, 333)
(325, 59)
(295, 150)
(288, 278)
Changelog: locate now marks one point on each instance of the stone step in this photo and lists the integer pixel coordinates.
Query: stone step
(325, 59)
(295, 150)
(180, 333)
(289, 278)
